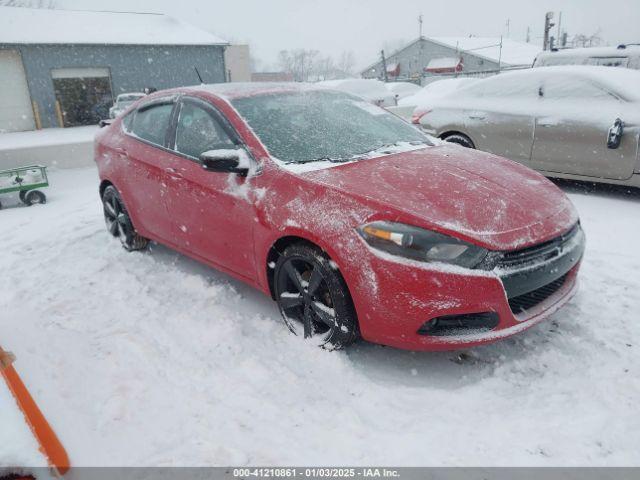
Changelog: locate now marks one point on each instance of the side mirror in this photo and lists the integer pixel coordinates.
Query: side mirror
(614, 137)
(226, 160)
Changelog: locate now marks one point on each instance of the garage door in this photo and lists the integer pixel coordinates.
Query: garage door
(84, 94)
(16, 113)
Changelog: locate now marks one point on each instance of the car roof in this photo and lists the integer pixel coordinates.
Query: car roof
(592, 52)
(622, 81)
(231, 91)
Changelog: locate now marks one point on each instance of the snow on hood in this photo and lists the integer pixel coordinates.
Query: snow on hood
(482, 198)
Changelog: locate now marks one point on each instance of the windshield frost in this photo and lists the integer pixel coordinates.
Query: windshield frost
(319, 125)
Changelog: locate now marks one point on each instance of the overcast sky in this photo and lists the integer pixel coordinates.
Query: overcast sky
(364, 26)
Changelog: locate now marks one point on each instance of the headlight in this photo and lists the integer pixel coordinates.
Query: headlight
(419, 244)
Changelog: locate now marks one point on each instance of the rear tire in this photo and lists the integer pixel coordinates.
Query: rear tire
(118, 221)
(34, 197)
(22, 194)
(313, 297)
(460, 139)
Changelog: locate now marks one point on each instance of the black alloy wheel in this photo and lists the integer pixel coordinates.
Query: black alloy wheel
(313, 298)
(118, 222)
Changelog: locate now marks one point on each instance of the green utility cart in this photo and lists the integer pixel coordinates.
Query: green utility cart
(25, 180)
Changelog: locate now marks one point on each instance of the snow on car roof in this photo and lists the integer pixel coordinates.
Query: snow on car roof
(623, 81)
(20, 25)
(513, 52)
(593, 52)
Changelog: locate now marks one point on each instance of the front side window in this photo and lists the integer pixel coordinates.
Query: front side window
(197, 131)
(151, 123)
(314, 125)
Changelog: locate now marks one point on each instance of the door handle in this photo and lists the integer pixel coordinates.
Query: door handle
(120, 151)
(477, 116)
(547, 122)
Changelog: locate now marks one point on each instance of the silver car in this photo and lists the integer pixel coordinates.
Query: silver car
(123, 101)
(578, 122)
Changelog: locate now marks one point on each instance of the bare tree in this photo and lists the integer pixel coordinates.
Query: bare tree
(28, 3)
(347, 63)
(593, 40)
(311, 65)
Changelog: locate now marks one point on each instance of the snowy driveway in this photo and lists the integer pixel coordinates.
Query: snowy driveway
(152, 359)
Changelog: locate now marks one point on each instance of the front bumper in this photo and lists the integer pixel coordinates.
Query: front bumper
(521, 289)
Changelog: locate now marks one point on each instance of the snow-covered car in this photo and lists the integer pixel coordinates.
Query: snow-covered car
(420, 100)
(402, 90)
(575, 122)
(625, 56)
(354, 221)
(124, 101)
(374, 91)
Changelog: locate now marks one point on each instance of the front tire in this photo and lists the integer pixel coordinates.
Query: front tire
(118, 221)
(459, 139)
(313, 297)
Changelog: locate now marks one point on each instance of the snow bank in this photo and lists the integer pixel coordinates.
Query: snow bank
(47, 137)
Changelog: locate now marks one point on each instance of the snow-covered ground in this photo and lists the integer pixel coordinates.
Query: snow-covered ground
(152, 359)
(47, 137)
(19, 447)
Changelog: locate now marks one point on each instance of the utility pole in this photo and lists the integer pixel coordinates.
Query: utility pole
(500, 55)
(558, 35)
(508, 25)
(384, 66)
(528, 34)
(547, 28)
(420, 26)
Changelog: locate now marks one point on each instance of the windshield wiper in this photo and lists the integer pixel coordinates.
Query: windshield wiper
(322, 159)
(360, 156)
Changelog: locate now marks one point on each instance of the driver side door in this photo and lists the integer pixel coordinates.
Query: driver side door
(212, 219)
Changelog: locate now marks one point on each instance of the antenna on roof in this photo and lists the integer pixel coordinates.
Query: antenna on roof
(199, 77)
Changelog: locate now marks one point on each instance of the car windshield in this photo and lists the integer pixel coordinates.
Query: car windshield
(322, 125)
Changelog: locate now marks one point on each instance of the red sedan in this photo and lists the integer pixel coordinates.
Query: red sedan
(354, 221)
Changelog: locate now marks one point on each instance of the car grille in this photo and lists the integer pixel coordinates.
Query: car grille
(524, 302)
(538, 253)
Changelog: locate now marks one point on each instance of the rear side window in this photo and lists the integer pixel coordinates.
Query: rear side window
(510, 86)
(573, 88)
(151, 123)
(198, 131)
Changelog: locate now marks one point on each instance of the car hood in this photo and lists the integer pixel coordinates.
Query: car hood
(476, 196)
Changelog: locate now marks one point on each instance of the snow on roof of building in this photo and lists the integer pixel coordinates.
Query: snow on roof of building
(49, 26)
(443, 63)
(513, 52)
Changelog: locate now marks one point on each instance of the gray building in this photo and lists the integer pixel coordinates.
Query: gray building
(62, 68)
(428, 57)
